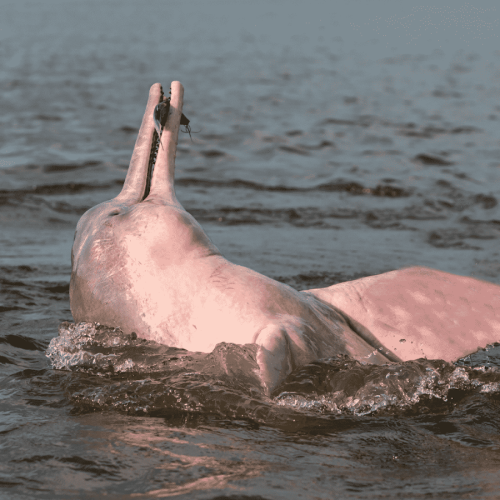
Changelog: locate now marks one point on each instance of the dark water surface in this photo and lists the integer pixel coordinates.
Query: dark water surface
(334, 143)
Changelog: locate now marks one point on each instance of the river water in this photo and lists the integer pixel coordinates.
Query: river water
(332, 142)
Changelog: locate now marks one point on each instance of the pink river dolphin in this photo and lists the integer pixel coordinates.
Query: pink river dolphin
(140, 262)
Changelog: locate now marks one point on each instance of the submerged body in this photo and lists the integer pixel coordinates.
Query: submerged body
(142, 263)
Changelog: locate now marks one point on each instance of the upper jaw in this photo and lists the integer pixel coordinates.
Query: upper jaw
(134, 186)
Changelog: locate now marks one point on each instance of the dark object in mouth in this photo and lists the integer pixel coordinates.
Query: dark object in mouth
(160, 115)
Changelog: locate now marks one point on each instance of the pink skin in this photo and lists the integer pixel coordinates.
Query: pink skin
(147, 266)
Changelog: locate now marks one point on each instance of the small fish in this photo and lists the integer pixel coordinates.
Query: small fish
(160, 116)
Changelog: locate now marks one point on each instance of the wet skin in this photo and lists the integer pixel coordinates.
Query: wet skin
(142, 263)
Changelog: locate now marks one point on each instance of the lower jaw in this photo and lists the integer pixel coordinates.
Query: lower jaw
(155, 144)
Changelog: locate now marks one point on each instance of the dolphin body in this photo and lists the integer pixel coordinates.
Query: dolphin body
(140, 262)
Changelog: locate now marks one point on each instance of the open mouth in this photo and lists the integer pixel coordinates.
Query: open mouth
(160, 117)
(152, 166)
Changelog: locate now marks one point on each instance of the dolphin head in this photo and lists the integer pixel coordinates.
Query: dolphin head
(107, 235)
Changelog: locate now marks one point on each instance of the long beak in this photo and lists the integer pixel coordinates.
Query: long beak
(135, 182)
(162, 183)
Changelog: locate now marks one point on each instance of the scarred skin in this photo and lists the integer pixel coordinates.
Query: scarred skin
(148, 267)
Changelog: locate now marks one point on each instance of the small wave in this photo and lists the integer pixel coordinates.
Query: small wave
(429, 132)
(93, 348)
(212, 153)
(138, 376)
(345, 386)
(22, 342)
(340, 185)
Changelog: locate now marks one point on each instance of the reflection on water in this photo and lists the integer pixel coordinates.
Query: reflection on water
(319, 159)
